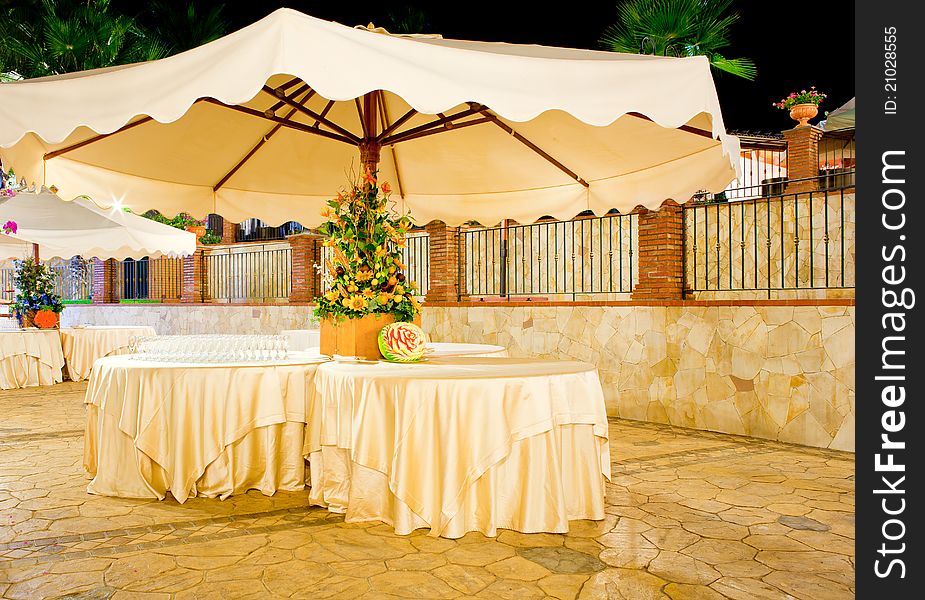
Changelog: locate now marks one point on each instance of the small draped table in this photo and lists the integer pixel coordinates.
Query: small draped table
(83, 345)
(196, 429)
(30, 357)
(459, 444)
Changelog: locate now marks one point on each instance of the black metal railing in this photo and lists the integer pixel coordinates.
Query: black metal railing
(149, 279)
(255, 230)
(837, 159)
(253, 273)
(792, 242)
(553, 258)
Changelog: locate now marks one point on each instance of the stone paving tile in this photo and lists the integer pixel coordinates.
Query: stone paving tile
(691, 515)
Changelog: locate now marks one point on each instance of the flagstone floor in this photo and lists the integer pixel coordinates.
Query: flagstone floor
(691, 515)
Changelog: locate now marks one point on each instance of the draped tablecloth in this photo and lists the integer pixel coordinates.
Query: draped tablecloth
(445, 349)
(30, 357)
(459, 444)
(83, 345)
(195, 429)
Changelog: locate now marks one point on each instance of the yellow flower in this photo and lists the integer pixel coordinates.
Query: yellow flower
(399, 289)
(352, 288)
(364, 275)
(327, 213)
(368, 293)
(330, 296)
(399, 298)
(356, 303)
(381, 251)
(383, 297)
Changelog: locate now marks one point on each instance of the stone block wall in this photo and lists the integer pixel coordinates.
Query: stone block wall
(775, 371)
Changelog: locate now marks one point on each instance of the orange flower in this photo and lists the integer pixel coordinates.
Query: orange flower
(45, 319)
(364, 275)
(327, 213)
(386, 188)
(369, 177)
(399, 290)
(368, 293)
(383, 297)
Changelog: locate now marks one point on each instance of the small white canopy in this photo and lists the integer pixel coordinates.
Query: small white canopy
(266, 122)
(81, 228)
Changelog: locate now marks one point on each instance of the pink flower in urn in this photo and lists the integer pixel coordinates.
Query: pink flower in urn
(10, 227)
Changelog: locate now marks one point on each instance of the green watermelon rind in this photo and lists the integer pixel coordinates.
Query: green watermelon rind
(387, 352)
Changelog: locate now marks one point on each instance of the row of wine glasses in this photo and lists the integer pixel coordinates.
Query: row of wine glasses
(209, 348)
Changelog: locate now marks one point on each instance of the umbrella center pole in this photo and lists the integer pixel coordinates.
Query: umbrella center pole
(369, 156)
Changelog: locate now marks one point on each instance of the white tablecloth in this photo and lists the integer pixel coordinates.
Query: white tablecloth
(83, 345)
(30, 357)
(460, 444)
(209, 430)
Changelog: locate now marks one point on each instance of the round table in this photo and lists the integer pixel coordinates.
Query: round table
(195, 429)
(82, 345)
(30, 357)
(459, 444)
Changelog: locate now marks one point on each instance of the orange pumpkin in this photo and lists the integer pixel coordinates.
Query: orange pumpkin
(45, 319)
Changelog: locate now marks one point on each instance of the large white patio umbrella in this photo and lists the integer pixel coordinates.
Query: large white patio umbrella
(61, 229)
(267, 122)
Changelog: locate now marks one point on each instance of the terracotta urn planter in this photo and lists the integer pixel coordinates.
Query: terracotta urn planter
(356, 337)
(803, 113)
(198, 230)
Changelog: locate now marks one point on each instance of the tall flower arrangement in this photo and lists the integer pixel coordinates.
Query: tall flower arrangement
(365, 273)
(35, 290)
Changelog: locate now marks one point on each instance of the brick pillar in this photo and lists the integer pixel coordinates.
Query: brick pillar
(228, 231)
(306, 249)
(803, 158)
(444, 262)
(661, 253)
(192, 290)
(104, 282)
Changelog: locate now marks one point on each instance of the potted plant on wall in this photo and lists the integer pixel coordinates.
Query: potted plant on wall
(363, 272)
(803, 106)
(36, 304)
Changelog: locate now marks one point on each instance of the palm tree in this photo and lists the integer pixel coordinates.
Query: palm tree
(407, 19)
(60, 36)
(184, 29)
(678, 28)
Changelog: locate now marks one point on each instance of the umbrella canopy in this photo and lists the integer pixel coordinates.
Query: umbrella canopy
(841, 118)
(267, 122)
(80, 228)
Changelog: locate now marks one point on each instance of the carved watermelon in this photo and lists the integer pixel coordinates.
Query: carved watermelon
(402, 342)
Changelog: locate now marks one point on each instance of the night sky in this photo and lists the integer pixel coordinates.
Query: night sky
(793, 49)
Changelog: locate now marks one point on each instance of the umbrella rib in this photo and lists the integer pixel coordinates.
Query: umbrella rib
(96, 138)
(687, 128)
(278, 105)
(384, 118)
(397, 139)
(266, 138)
(446, 122)
(520, 138)
(324, 112)
(362, 118)
(398, 123)
(324, 121)
(285, 123)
